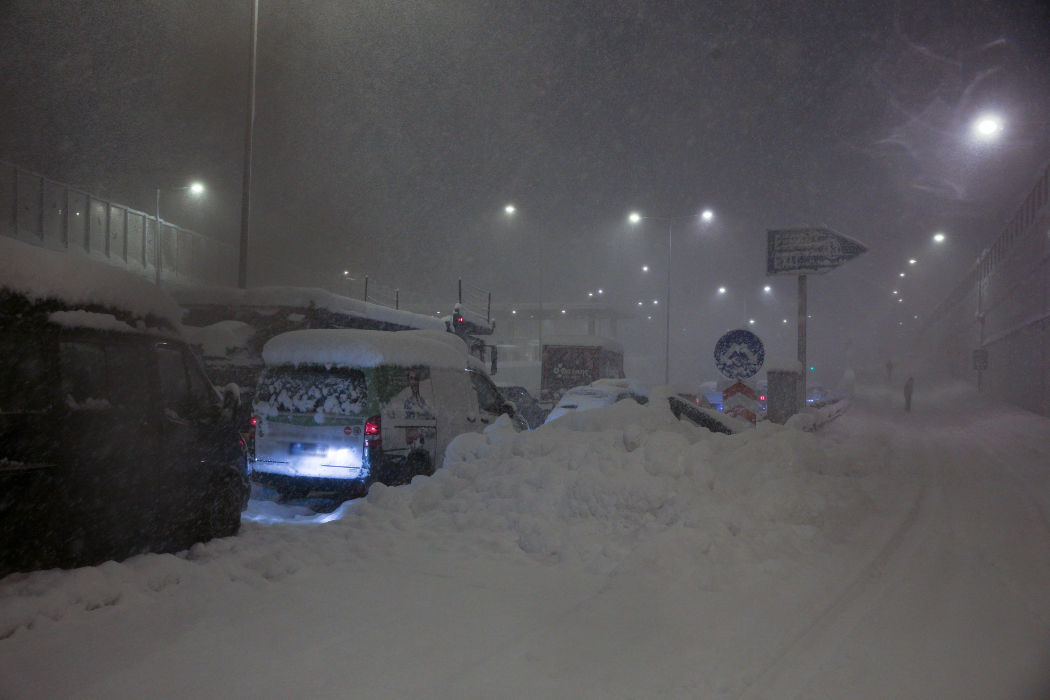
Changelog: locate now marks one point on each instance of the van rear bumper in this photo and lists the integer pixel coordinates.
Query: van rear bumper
(283, 483)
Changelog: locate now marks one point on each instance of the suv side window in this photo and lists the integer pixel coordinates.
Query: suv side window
(183, 392)
(97, 376)
(489, 399)
(23, 373)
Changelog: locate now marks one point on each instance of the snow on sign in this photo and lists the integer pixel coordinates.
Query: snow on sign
(739, 354)
(806, 251)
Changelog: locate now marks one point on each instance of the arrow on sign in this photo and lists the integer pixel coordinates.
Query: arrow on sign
(808, 251)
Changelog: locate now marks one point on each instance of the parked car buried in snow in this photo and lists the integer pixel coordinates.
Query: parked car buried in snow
(604, 392)
(112, 440)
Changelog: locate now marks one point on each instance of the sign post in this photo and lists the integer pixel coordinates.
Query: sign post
(803, 252)
(739, 355)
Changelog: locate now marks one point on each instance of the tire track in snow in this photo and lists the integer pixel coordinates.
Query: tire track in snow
(784, 676)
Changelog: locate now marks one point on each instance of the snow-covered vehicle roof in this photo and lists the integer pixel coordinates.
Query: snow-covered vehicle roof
(360, 348)
(77, 282)
(302, 298)
(603, 392)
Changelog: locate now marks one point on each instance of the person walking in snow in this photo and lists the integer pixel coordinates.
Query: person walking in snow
(908, 387)
(889, 370)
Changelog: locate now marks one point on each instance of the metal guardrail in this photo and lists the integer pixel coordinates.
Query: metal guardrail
(40, 211)
(380, 294)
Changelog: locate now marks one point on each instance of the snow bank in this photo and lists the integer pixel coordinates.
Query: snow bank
(359, 348)
(302, 298)
(76, 280)
(89, 319)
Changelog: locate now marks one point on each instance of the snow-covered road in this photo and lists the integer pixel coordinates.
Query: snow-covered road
(623, 556)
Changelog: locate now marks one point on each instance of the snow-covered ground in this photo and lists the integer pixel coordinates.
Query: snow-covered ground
(615, 553)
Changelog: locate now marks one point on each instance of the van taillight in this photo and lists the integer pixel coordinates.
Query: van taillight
(374, 431)
(255, 421)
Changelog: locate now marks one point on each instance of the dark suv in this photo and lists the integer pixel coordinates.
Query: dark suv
(112, 440)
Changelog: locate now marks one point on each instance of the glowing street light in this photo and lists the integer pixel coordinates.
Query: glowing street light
(721, 290)
(912, 262)
(938, 238)
(988, 126)
(767, 289)
(902, 274)
(707, 215)
(509, 209)
(645, 268)
(194, 188)
(635, 217)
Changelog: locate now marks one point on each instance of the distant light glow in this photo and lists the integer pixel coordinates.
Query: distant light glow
(563, 310)
(656, 301)
(912, 262)
(751, 320)
(721, 290)
(707, 215)
(639, 303)
(346, 272)
(196, 188)
(590, 294)
(509, 209)
(902, 274)
(599, 291)
(785, 320)
(645, 268)
(894, 292)
(938, 237)
(767, 288)
(635, 217)
(513, 311)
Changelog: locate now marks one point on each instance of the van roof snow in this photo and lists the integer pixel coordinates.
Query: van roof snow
(360, 348)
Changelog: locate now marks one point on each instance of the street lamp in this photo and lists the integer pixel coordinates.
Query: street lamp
(195, 188)
(988, 126)
(938, 238)
(636, 218)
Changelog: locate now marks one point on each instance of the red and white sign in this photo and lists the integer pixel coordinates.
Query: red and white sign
(741, 401)
(348, 430)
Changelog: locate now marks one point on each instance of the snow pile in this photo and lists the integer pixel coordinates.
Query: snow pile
(302, 298)
(596, 485)
(358, 348)
(219, 339)
(89, 319)
(76, 280)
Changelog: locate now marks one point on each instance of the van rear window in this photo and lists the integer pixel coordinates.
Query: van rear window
(305, 389)
(23, 373)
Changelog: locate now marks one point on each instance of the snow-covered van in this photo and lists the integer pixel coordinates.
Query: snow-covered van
(112, 440)
(578, 360)
(337, 410)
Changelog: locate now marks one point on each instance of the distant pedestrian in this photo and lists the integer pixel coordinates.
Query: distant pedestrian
(889, 370)
(908, 387)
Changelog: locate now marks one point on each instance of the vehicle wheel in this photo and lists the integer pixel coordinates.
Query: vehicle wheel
(225, 517)
(418, 462)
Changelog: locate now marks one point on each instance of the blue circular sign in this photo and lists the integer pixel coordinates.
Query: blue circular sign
(739, 354)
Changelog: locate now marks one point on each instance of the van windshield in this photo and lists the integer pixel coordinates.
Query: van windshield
(312, 389)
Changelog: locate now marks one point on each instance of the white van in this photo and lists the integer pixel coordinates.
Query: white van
(337, 410)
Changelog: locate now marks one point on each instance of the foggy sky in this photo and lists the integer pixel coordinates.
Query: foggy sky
(390, 135)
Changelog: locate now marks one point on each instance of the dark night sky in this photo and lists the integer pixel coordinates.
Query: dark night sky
(390, 135)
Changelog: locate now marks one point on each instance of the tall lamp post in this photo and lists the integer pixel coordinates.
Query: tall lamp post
(636, 218)
(246, 181)
(195, 188)
(510, 210)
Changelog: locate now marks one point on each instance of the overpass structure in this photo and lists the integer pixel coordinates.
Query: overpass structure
(40, 211)
(998, 318)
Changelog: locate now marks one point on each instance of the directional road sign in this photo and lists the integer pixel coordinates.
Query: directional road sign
(808, 251)
(741, 401)
(739, 354)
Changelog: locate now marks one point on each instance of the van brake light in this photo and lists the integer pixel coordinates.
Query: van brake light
(255, 421)
(374, 431)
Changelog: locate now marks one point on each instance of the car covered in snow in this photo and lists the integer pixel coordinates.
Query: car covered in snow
(528, 408)
(112, 440)
(338, 410)
(604, 392)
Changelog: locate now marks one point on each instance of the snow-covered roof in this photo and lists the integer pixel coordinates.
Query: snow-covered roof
(218, 339)
(302, 298)
(360, 348)
(588, 341)
(76, 280)
(782, 364)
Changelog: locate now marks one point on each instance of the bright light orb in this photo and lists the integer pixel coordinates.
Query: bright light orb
(645, 268)
(767, 289)
(938, 238)
(509, 209)
(902, 274)
(635, 217)
(912, 262)
(721, 290)
(196, 188)
(751, 320)
(707, 215)
(988, 126)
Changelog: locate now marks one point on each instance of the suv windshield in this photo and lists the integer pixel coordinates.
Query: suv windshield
(309, 389)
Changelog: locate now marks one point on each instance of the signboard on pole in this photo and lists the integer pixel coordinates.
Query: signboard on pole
(739, 354)
(741, 401)
(808, 251)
